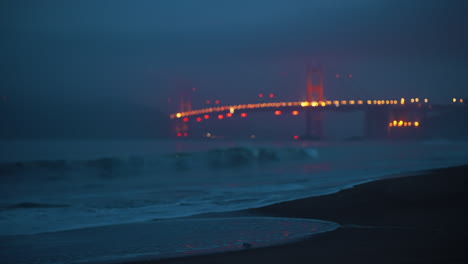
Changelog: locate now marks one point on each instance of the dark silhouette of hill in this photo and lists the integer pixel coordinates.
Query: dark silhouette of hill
(82, 121)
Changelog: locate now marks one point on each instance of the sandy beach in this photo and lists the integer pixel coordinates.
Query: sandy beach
(418, 218)
(415, 219)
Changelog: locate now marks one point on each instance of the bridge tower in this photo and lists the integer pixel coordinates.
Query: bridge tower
(314, 84)
(185, 104)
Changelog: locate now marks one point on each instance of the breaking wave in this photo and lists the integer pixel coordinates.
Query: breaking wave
(30, 205)
(181, 161)
(52, 195)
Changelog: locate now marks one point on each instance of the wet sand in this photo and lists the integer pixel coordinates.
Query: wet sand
(415, 219)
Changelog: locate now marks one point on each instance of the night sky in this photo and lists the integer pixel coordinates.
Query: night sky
(91, 60)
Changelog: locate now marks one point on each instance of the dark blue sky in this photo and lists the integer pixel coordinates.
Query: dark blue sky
(89, 53)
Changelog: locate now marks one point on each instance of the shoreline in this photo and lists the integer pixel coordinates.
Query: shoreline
(405, 218)
(417, 219)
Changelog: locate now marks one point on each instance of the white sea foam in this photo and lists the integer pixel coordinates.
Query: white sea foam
(62, 194)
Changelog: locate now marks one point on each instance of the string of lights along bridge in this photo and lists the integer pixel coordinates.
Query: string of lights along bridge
(298, 107)
(335, 103)
(382, 116)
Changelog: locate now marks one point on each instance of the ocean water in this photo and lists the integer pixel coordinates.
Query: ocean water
(153, 240)
(48, 186)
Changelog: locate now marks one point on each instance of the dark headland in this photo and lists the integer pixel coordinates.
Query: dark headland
(415, 219)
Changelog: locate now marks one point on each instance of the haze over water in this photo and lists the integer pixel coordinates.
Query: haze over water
(106, 69)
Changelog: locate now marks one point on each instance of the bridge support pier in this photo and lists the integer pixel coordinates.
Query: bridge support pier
(314, 125)
(406, 115)
(376, 125)
(181, 126)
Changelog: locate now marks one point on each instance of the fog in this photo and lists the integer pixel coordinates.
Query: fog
(107, 68)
